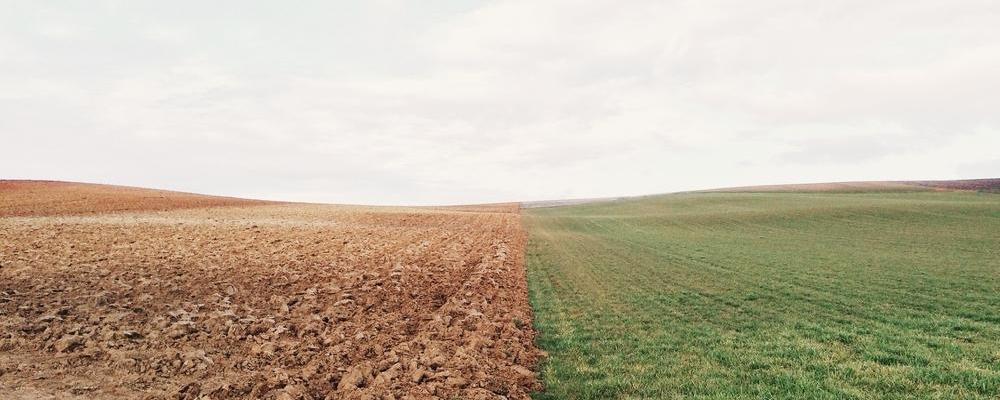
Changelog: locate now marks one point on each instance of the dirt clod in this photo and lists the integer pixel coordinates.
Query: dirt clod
(355, 377)
(68, 343)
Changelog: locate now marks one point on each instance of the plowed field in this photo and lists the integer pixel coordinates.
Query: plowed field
(219, 298)
(22, 198)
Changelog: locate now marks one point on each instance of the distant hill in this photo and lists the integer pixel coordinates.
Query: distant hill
(980, 185)
(991, 185)
(46, 198)
(983, 185)
(32, 198)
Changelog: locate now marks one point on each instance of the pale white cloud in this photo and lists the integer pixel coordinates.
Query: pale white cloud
(395, 102)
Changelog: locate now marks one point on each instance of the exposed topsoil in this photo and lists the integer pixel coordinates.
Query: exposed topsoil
(21, 198)
(268, 301)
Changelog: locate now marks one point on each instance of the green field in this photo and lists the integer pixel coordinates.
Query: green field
(769, 295)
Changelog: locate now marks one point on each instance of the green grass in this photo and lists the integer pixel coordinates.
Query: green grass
(762, 296)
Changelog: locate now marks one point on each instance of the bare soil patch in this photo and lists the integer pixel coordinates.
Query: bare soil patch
(268, 301)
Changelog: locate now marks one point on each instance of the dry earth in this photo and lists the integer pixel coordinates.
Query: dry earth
(61, 198)
(224, 298)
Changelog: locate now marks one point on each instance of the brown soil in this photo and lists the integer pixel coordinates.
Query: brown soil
(66, 198)
(279, 301)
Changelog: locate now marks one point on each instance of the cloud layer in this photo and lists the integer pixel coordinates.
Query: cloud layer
(454, 102)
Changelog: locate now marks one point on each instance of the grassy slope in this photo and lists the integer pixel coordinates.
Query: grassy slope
(770, 295)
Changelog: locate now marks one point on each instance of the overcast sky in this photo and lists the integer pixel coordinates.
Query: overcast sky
(442, 102)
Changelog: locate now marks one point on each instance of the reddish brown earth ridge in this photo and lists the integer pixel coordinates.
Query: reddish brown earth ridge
(109, 292)
(37, 198)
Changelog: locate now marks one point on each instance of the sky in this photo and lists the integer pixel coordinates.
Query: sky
(453, 102)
